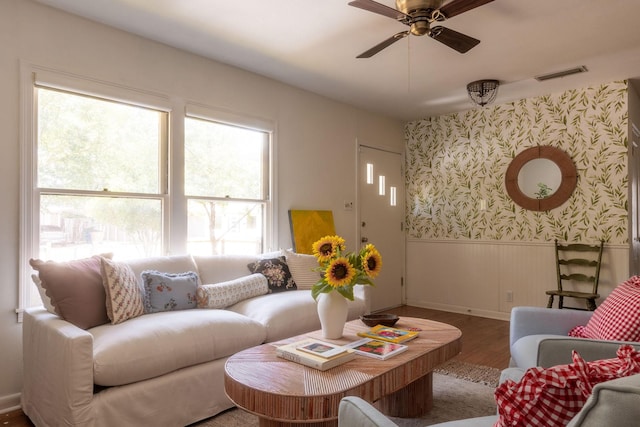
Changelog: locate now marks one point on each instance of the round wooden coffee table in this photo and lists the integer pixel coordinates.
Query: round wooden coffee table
(284, 393)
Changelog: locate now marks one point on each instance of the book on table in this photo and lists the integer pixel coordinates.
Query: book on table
(388, 333)
(377, 349)
(315, 354)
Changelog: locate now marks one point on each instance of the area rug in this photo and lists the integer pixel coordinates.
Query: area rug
(470, 372)
(460, 390)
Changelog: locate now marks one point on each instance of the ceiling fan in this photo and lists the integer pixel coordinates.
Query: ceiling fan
(419, 15)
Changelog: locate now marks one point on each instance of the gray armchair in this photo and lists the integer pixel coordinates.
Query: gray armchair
(612, 403)
(538, 337)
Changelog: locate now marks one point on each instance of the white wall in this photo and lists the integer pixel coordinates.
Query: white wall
(473, 277)
(316, 137)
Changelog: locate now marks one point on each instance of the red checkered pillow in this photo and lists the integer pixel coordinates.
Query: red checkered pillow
(617, 318)
(553, 396)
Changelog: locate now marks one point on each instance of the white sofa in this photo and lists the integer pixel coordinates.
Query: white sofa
(163, 368)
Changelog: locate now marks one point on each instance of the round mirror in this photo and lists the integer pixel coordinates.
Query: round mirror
(541, 178)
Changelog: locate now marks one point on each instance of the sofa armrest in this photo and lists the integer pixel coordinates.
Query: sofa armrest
(612, 403)
(557, 351)
(58, 370)
(537, 321)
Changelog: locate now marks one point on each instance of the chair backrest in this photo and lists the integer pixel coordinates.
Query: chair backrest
(579, 262)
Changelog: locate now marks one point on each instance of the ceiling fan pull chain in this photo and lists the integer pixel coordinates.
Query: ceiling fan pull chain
(409, 65)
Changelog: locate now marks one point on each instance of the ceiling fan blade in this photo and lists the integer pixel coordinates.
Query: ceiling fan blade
(388, 42)
(379, 8)
(455, 40)
(456, 7)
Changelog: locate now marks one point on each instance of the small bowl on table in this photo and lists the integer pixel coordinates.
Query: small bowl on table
(379, 319)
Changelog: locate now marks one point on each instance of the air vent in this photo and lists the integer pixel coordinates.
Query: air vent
(580, 69)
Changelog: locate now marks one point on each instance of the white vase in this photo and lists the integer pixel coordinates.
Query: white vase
(332, 310)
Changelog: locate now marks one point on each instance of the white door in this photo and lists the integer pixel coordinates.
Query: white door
(381, 202)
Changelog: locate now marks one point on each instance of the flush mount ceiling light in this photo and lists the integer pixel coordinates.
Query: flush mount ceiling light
(483, 92)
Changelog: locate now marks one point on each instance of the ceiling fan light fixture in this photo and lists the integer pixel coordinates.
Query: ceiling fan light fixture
(420, 28)
(483, 92)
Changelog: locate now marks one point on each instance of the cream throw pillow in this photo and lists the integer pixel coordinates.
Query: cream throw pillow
(224, 294)
(301, 267)
(124, 296)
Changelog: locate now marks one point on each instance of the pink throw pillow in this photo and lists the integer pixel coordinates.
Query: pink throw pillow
(617, 318)
(75, 289)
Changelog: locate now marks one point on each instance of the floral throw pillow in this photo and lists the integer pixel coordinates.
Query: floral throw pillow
(277, 273)
(169, 291)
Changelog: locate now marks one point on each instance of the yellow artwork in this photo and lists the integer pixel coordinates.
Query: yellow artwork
(309, 226)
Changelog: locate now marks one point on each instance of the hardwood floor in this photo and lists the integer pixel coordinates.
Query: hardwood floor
(484, 342)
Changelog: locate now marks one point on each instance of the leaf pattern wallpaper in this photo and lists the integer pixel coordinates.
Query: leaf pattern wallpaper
(455, 161)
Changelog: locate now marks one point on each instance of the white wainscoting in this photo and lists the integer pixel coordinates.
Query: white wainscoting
(474, 277)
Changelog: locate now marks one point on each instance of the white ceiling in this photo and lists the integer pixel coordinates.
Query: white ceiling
(313, 44)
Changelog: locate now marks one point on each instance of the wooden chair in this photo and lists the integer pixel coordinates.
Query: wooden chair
(578, 270)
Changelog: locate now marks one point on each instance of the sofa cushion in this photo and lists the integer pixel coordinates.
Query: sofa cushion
(224, 294)
(169, 291)
(289, 313)
(75, 290)
(618, 317)
(155, 344)
(283, 314)
(277, 273)
(124, 296)
(302, 269)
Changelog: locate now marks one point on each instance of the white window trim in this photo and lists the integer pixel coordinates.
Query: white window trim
(175, 241)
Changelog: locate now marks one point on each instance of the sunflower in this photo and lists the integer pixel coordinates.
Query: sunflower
(339, 272)
(328, 247)
(371, 261)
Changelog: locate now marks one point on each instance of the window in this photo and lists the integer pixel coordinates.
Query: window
(226, 172)
(99, 185)
(112, 169)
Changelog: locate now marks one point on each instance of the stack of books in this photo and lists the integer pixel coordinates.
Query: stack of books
(390, 334)
(315, 354)
(377, 349)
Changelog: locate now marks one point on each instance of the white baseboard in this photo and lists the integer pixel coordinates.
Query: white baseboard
(9, 403)
(498, 315)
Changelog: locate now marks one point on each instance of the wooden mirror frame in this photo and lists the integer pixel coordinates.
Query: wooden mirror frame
(561, 195)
